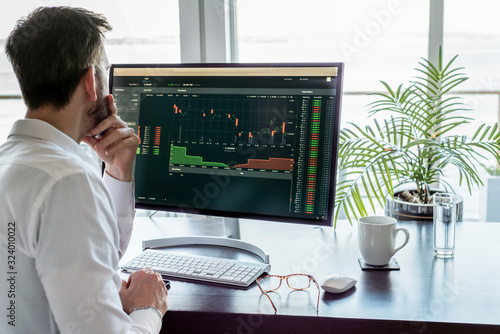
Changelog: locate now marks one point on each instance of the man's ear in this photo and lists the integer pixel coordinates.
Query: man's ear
(90, 84)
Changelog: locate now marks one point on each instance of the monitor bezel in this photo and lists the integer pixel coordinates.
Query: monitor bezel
(328, 220)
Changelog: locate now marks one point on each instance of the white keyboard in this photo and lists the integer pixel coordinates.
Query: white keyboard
(199, 268)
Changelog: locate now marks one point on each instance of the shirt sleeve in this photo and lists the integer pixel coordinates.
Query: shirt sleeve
(145, 321)
(123, 198)
(77, 261)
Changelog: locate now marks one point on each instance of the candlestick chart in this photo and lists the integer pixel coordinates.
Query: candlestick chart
(233, 119)
(227, 131)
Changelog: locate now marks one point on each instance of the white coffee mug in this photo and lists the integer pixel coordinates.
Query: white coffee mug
(377, 239)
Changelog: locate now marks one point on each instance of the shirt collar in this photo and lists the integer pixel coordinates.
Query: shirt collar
(36, 128)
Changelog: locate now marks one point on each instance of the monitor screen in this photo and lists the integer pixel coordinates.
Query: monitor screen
(252, 141)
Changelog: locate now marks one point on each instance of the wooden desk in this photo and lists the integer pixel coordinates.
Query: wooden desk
(427, 295)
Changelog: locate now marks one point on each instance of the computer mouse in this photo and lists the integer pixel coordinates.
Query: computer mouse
(338, 283)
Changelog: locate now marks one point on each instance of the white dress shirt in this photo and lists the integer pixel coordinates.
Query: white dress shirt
(63, 229)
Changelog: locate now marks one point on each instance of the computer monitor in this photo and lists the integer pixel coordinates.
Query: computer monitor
(254, 141)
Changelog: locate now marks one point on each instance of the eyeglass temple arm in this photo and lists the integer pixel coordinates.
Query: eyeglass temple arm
(265, 293)
(317, 285)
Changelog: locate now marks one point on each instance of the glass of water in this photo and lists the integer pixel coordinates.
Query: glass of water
(444, 224)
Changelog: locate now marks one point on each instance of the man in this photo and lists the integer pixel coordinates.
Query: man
(62, 226)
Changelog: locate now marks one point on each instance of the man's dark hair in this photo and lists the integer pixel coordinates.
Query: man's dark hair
(51, 49)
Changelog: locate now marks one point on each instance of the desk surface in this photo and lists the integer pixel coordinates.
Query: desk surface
(426, 295)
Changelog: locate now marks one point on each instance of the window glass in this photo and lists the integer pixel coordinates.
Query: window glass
(472, 32)
(10, 111)
(377, 39)
(142, 32)
(476, 41)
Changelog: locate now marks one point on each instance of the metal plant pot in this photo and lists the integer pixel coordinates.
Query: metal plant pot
(402, 210)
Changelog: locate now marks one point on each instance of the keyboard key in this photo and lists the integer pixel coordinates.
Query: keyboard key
(165, 269)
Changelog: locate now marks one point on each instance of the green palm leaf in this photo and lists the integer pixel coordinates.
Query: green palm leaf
(412, 146)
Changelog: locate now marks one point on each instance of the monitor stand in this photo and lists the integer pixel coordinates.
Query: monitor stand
(232, 228)
(231, 240)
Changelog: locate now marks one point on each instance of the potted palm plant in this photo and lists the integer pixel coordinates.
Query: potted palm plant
(412, 146)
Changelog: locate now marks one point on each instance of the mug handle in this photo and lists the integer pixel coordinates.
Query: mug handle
(407, 238)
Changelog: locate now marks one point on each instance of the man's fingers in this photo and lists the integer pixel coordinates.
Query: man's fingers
(112, 121)
(115, 136)
(112, 117)
(111, 105)
(119, 140)
(89, 140)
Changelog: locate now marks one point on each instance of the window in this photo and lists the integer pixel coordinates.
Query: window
(377, 40)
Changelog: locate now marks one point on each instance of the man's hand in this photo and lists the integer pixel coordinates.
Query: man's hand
(144, 288)
(117, 146)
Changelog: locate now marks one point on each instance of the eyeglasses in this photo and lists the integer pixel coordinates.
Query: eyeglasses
(296, 282)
